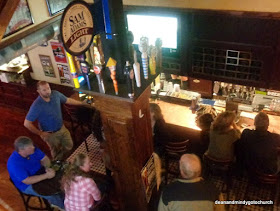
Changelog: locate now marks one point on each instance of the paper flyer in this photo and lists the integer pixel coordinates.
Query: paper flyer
(59, 52)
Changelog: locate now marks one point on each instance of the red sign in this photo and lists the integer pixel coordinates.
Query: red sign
(59, 53)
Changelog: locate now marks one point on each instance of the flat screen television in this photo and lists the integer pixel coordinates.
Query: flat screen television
(153, 27)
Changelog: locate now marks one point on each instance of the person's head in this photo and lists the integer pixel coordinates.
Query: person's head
(130, 37)
(204, 121)
(24, 146)
(261, 121)
(224, 121)
(82, 162)
(190, 166)
(155, 112)
(43, 88)
(79, 167)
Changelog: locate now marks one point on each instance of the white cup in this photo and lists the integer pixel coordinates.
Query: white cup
(176, 87)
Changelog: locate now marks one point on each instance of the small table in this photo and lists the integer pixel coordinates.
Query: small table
(51, 186)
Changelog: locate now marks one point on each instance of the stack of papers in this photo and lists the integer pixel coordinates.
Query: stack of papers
(248, 115)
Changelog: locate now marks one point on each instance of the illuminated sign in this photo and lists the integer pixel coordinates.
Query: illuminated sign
(76, 27)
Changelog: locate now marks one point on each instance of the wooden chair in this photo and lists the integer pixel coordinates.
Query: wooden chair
(26, 201)
(213, 166)
(173, 153)
(257, 178)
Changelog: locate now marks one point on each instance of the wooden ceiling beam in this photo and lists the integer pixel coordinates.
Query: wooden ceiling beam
(7, 9)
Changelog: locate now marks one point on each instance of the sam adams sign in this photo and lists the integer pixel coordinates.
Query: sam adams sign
(76, 27)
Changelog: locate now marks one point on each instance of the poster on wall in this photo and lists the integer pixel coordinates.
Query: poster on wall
(47, 65)
(148, 175)
(64, 74)
(59, 52)
(21, 18)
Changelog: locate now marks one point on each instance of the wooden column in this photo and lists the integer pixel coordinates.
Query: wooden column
(127, 128)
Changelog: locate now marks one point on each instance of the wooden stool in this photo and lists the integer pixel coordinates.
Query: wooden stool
(173, 152)
(261, 179)
(223, 168)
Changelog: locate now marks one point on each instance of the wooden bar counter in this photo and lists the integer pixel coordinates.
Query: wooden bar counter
(181, 121)
(178, 115)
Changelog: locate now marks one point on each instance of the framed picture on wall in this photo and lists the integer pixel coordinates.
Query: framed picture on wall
(56, 6)
(64, 74)
(47, 65)
(21, 18)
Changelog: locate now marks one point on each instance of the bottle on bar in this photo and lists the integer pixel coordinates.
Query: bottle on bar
(129, 76)
(152, 61)
(143, 48)
(97, 70)
(97, 66)
(158, 45)
(136, 67)
(111, 64)
(85, 69)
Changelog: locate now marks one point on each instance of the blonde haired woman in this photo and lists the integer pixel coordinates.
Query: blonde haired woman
(223, 134)
(80, 190)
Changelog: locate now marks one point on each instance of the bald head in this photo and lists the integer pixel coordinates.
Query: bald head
(190, 166)
(261, 121)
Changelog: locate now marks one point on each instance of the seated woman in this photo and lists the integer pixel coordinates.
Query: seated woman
(80, 190)
(160, 135)
(204, 123)
(223, 134)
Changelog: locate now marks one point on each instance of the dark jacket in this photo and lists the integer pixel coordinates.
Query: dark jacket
(183, 195)
(258, 150)
(160, 136)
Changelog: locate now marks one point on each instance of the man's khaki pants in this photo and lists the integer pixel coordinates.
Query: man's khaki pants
(60, 143)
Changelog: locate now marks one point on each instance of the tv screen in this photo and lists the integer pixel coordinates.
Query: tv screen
(154, 27)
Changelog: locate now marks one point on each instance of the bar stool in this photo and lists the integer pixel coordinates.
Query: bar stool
(257, 178)
(26, 201)
(85, 117)
(213, 166)
(80, 117)
(173, 153)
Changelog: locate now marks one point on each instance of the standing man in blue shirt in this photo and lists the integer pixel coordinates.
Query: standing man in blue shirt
(47, 110)
(23, 166)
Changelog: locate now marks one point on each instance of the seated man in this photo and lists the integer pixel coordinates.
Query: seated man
(190, 192)
(23, 165)
(258, 148)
